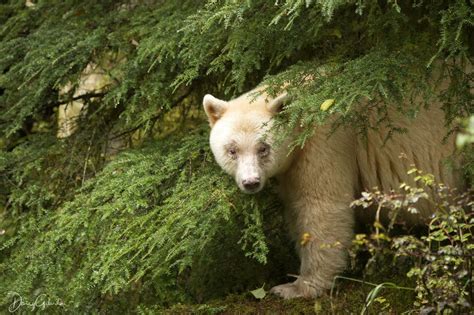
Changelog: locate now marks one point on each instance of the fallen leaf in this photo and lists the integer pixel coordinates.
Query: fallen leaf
(326, 104)
(259, 293)
(318, 307)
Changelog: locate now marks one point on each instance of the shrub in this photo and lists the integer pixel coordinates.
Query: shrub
(440, 260)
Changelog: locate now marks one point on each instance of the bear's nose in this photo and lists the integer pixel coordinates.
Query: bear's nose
(251, 183)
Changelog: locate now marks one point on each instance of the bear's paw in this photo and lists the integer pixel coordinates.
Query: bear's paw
(298, 289)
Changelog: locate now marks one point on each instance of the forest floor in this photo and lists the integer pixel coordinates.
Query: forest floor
(348, 297)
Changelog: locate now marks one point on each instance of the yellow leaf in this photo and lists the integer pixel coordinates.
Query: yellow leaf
(326, 104)
(318, 307)
(305, 238)
(378, 225)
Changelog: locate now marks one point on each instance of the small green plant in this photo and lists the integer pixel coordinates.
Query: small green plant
(440, 261)
(374, 295)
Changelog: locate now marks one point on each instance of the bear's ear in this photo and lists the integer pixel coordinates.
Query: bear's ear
(214, 108)
(276, 105)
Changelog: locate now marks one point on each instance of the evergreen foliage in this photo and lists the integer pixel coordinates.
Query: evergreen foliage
(160, 223)
(113, 237)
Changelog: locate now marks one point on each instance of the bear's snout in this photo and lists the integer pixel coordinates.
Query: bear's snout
(251, 183)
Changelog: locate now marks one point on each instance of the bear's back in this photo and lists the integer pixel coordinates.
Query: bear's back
(425, 145)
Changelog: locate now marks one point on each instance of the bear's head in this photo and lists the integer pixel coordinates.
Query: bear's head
(241, 138)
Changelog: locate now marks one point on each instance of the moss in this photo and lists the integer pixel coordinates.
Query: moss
(348, 297)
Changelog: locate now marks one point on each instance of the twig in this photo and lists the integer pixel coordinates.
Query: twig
(79, 97)
(87, 158)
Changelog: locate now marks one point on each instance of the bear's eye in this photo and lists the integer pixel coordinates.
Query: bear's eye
(232, 152)
(263, 150)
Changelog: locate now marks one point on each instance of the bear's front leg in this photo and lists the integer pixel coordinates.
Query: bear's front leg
(322, 230)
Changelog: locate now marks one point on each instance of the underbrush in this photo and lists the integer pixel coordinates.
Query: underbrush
(439, 260)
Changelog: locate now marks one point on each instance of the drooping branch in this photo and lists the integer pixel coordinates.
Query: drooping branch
(85, 96)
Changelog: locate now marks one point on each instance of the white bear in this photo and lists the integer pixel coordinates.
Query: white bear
(318, 182)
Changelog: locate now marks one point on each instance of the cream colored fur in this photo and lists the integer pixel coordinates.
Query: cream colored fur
(318, 182)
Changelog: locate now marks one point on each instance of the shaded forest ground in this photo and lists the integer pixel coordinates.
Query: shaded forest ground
(347, 297)
(349, 300)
